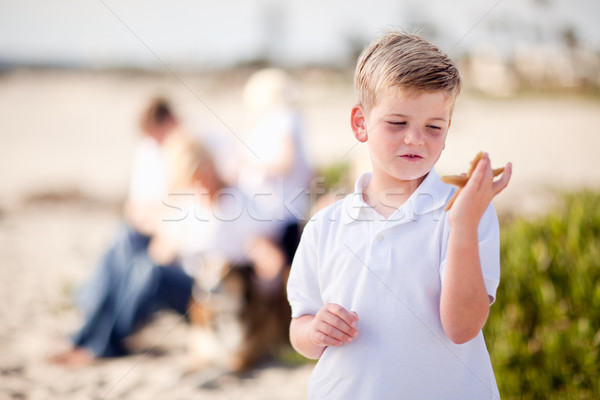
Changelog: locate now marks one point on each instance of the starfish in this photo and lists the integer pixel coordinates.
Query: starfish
(461, 180)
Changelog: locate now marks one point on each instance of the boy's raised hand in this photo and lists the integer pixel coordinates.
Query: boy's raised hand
(333, 325)
(478, 192)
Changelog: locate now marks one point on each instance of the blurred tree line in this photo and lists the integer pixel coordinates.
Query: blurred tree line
(543, 332)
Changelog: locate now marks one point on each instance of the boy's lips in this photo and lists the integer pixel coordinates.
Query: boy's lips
(411, 157)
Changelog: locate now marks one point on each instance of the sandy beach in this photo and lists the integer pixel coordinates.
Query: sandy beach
(65, 145)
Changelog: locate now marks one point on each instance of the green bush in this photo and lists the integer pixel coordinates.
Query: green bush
(543, 332)
(335, 176)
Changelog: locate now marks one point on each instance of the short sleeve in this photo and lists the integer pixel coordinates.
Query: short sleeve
(488, 234)
(303, 287)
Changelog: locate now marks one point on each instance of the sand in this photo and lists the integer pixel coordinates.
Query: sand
(65, 145)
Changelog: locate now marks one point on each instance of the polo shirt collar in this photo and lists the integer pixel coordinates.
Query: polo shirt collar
(431, 195)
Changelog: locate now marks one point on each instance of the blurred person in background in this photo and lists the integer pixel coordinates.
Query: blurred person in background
(204, 227)
(147, 188)
(276, 172)
(149, 176)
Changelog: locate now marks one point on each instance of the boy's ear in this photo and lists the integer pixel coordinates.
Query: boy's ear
(358, 122)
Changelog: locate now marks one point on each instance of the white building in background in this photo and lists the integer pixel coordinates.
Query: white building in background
(501, 35)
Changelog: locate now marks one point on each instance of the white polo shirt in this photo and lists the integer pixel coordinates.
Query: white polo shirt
(148, 181)
(390, 272)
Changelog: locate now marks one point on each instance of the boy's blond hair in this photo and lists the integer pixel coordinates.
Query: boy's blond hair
(399, 60)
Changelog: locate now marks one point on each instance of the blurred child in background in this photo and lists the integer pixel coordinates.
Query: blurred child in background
(276, 172)
(181, 217)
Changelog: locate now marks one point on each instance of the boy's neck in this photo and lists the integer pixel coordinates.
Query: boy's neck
(387, 195)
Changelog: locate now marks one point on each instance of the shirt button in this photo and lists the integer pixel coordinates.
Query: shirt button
(379, 238)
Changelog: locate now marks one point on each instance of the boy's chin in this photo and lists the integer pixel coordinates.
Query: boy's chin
(416, 177)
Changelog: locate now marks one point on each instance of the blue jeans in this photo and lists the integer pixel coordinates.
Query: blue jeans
(127, 288)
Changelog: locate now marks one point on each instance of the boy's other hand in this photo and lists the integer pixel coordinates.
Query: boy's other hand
(479, 192)
(333, 325)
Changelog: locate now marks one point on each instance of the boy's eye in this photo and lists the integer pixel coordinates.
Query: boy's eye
(397, 123)
(434, 127)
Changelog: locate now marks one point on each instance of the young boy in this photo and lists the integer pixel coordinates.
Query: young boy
(387, 290)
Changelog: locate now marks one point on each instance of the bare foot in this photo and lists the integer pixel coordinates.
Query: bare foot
(76, 357)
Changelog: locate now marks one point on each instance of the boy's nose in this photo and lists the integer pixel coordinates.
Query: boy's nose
(414, 136)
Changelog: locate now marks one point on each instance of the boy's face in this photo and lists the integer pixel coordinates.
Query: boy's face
(405, 133)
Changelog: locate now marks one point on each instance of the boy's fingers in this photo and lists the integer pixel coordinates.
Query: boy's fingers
(501, 183)
(336, 324)
(323, 339)
(477, 177)
(341, 313)
(484, 174)
(334, 333)
(480, 173)
(328, 334)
